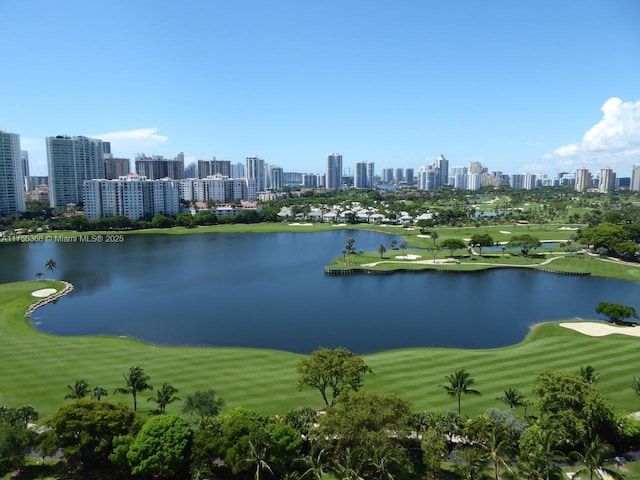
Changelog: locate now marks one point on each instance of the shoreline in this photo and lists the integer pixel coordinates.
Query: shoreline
(68, 287)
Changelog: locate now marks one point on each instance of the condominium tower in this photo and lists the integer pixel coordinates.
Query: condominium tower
(71, 161)
(363, 175)
(583, 179)
(255, 171)
(334, 172)
(11, 175)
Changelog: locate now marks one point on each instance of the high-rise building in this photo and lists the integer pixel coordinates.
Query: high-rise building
(607, 182)
(583, 179)
(442, 165)
(635, 178)
(333, 179)
(276, 177)
(115, 168)
(237, 170)
(71, 161)
(191, 170)
(529, 181)
(12, 183)
(408, 174)
(157, 167)
(131, 196)
(255, 171)
(363, 175)
(399, 175)
(214, 166)
(24, 158)
(387, 175)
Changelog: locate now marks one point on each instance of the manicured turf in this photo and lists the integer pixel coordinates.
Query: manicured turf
(36, 367)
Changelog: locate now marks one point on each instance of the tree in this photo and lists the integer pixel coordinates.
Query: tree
(349, 249)
(332, 372)
(593, 461)
(589, 374)
(402, 247)
(203, 403)
(136, 381)
(258, 458)
(434, 237)
(80, 389)
(574, 410)
(525, 243)
(537, 458)
(162, 448)
(460, 383)
(16, 439)
(512, 397)
(616, 313)
(50, 265)
(381, 250)
(394, 244)
(39, 275)
(164, 396)
(481, 240)
(453, 244)
(85, 430)
(98, 392)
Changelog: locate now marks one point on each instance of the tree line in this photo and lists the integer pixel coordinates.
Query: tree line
(358, 434)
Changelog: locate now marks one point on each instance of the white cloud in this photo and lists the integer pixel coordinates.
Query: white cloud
(613, 141)
(129, 142)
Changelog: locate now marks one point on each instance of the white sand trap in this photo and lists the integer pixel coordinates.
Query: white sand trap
(407, 257)
(45, 292)
(301, 224)
(567, 228)
(423, 236)
(595, 329)
(504, 231)
(466, 239)
(339, 225)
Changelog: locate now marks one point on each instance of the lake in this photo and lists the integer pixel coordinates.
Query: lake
(270, 291)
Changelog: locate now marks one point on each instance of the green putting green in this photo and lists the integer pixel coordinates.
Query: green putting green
(37, 367)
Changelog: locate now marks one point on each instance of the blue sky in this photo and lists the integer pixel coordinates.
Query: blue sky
(521, 86)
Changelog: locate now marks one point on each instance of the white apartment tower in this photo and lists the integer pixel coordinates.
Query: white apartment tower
(255, 171)
(11, 175)
(607, 182)
(363, 175)
(333, 179)
(583, 179)
(635, 178)
(71, 161)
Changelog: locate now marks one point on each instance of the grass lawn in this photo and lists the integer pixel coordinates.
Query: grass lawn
(36, 367)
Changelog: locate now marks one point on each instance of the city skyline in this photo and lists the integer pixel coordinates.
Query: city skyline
(520, 87)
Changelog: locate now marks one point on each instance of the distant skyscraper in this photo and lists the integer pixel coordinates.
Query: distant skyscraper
(214, 166)
(635, 178)
(363, 175)
(191, 170)
(255, 171)
(276, 177)
(583, 179)
(157, 167)
(442, 165)
(115, 168)
(237, 170)
(12, 183)
(387, 175)
(333, 179)
(106, 147)
(408, 174)
(24, 157)
(399, 175)
(607, 182)
(71, 161)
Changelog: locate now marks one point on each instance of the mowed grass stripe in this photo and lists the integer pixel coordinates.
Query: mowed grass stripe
(36, 367)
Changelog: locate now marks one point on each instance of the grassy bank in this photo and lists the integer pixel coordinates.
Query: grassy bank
(37, 367)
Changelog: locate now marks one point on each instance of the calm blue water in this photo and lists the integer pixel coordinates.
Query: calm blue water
(269, 291)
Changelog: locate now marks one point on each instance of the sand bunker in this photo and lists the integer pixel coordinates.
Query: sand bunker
(45, 292)
(595, 329)
(505, 232)
(407, 257)
(301, 224)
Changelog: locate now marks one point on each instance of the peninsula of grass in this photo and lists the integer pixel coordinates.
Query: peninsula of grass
(37, 367)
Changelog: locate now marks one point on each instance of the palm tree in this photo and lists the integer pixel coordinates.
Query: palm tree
(164, 396)
(50, 265)
(381, 250)
(80, 389)
(593, 461)
(394, 242)
(434, 237)
(512, 397)
(352, 465)
(39, 275)
(460, 384)
(402, 247)
(589, 374)
(258, 458)
(473, 462)
(136, 381)
(26, 413)
(539, 460)
(98, 392)
(316, 463)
